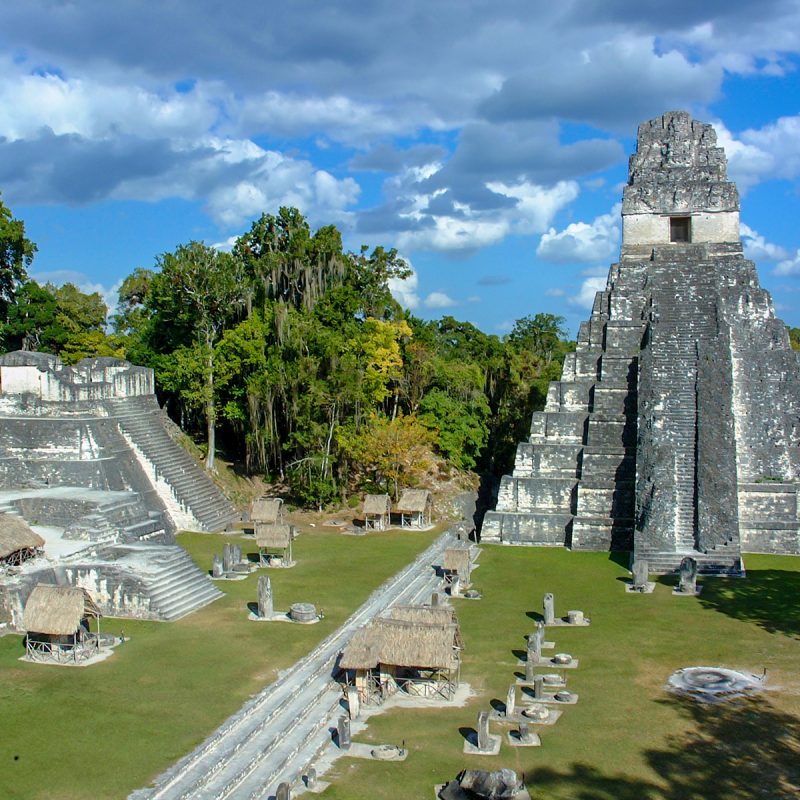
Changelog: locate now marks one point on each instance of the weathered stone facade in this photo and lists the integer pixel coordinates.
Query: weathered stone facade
(675, 428)
(85, 454)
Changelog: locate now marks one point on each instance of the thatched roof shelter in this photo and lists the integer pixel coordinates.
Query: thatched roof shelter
(16, 535)
(413, 500)
(377, 504)
(430, 615)
(267, 510)
(428, 639)
(276, 536)
(414, 507)
(377, 511)
(57, 610)
(457, 559)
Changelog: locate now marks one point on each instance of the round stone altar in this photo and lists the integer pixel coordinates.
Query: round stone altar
(713, 684)
(303, 612)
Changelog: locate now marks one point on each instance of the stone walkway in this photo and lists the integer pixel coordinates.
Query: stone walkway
(276, 735)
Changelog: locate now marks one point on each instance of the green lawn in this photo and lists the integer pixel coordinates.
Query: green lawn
(626, 739)
(104, 730)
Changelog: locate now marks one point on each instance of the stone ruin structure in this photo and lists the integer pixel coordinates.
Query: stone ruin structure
(675, 428)
(87, 459)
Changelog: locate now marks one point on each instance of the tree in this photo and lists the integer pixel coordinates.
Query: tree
(31, 319)
(197, 291)
(16, 254)
(541, 334)
(395, 451)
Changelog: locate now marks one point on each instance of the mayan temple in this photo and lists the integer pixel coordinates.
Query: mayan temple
(674, 428)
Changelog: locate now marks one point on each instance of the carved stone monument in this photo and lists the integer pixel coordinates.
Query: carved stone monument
(673, 428)
(511, 700)
(483, 731)
(344, 733)
(353, 702)
(283, 792)
(217, 570)
(687, 576)
(538, 687)
(227, 558)
(265, 606)
(529, 671)
(549, 609)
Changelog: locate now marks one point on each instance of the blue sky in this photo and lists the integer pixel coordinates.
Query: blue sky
(487, 142)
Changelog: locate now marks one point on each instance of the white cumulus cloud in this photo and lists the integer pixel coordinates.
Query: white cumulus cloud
(583, 242)
(790, 266)
(757, 248)
(404, 290)
(439, 300)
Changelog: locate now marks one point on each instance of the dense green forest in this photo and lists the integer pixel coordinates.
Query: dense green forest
(290, 357)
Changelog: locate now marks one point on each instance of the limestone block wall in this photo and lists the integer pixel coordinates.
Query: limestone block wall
(45, 378)
(706, 226)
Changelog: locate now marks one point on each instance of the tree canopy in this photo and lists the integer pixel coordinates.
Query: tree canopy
(290, 355)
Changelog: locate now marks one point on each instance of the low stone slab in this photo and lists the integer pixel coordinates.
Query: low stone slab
(514, 739)
(565, 623)
(377, 752)
(541, 661)
(493, 749)
(646, 588)
(561, 683)
(551, 719)
(551, 699)
(678, 593)
(282, 616)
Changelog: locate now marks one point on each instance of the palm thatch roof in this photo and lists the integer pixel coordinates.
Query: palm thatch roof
(430, 615)
(57, 610)
(456, 559)
(275, 535)
(267, 509)
(413, 501)
(404, 641)
(377, 504)
(15, 534)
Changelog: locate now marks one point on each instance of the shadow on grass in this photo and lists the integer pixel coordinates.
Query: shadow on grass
(769, 598)
(469, 734)
(735, 751)
(620, 557)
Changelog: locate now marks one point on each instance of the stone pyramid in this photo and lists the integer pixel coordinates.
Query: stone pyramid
(675, 427)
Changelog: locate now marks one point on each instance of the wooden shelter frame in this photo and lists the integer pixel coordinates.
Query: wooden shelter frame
(377, 512)
(386, 680)
(411, 516)
(457, 563)
(269, 548)
(59, 648)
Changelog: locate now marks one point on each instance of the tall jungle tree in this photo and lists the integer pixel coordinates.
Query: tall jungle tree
(196, 293)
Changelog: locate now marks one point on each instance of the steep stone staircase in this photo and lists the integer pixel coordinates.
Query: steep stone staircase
(139, 420)
(683, 321)
(168, 576)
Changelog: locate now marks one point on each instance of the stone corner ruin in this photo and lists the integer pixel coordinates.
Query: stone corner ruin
(88, 462)
(675, 428)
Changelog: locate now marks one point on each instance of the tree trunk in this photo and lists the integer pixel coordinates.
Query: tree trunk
(210, 409)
